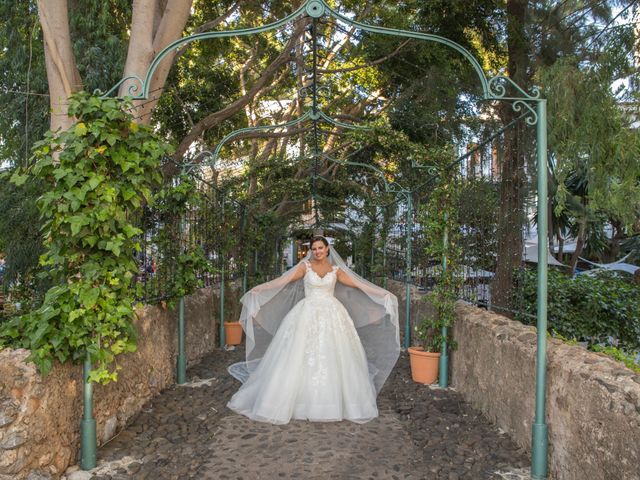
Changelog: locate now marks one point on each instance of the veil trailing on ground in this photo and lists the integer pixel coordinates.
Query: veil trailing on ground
(373, 309)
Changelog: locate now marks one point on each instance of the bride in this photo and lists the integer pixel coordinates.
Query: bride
(321, 342)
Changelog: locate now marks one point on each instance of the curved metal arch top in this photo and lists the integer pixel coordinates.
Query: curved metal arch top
(390, 187)
(494, 88)
(311, 115)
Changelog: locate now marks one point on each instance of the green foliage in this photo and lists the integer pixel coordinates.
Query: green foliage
(99, 34)
(20, 240)
(618, 355)
(21, 297)
(601, 309)
(185, 278)
(439, 219)
(23, 118)
(182, 262)
(591, 138)
(99, 175)
(478, 208)
(631, 361)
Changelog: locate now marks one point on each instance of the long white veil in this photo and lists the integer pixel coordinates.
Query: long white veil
(373, 309)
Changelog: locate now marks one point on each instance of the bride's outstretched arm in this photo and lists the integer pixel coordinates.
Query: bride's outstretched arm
(346, 279)
(350, 282)
(298, 272)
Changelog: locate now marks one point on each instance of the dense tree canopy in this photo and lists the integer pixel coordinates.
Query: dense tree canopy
(423, 98)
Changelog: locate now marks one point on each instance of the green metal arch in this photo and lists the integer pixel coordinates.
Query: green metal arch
(315, 117)
(494, 88)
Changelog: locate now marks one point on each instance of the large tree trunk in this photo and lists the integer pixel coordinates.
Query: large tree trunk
(154, 25)
(579, 246)
(62, 73)
(512, 169)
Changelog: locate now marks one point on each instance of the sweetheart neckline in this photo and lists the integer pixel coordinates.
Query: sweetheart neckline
(317, 275)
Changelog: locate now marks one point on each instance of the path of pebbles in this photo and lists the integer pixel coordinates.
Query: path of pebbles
(421, 433)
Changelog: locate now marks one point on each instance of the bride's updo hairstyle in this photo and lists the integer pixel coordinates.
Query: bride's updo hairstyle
(319, 238)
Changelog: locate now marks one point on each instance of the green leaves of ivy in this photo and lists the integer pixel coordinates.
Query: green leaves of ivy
(100, 173)
(439, 219)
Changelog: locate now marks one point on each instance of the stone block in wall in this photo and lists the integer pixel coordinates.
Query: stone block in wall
(40, 416)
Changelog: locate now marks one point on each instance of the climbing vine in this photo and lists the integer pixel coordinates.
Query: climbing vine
(439, 218)
(100, 173)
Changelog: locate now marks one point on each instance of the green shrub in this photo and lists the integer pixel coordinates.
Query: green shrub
(98, 175)
(600, 309)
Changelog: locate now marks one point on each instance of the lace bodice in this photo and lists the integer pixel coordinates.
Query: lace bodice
(317, 286)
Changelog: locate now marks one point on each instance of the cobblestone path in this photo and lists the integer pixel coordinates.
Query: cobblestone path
(421, 433)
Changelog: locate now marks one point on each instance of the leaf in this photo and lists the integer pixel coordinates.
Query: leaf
(43, 327)
(19, 179)
(89, 297)
(131, 231)
(91, 240)
(94, 181)
(80, 129)
(76, 223)
(128, 193)
(113, 246)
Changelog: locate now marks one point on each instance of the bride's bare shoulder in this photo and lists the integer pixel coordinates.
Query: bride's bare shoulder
(302, 267)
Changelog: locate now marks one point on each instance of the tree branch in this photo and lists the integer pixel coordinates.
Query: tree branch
(368, 64)
(221, 115)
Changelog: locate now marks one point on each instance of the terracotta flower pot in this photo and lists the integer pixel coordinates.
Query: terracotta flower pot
(232, 333)
(424, 365)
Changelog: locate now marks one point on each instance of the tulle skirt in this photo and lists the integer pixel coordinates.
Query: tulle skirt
(315, 368)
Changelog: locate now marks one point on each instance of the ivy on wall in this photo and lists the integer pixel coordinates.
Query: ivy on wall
(100, 174)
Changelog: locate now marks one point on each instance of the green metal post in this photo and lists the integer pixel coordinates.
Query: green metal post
(88, 440)
(407, 275)
(384, 265)
(222, 282)
(540, 440)
(223, 261)
(443, 377)
(245, 279)
(245, 261)
(182, 357)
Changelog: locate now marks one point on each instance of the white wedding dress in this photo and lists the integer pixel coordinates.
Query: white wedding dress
(315, 368)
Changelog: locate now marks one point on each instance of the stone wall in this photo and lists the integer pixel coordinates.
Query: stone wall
(592, 405)
(40, 417)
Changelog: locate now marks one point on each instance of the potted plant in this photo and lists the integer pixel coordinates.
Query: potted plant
(439, 218)
(425, 356)
(232, 333)
(232, 328)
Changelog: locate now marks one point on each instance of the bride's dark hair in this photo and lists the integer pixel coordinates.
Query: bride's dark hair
(319, 238)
